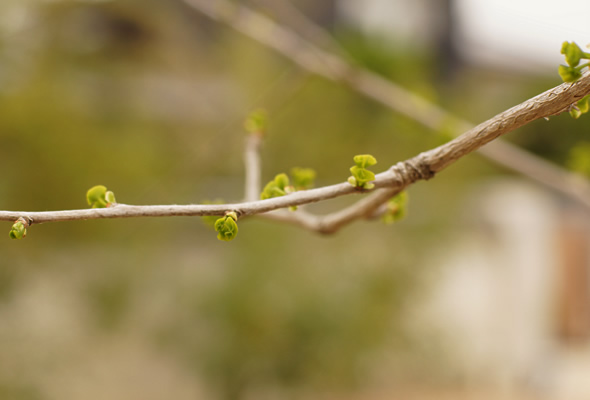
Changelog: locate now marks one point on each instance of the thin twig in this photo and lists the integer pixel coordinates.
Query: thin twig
(321, 62)
(252, 166)
(421, 167)
(286, 11)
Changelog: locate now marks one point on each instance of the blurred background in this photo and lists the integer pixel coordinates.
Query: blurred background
(481, 292)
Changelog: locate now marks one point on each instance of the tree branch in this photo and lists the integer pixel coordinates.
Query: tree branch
(421, 167)
(252, 166)
(328, 65)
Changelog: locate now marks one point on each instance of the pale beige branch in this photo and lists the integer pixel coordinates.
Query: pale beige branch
(329, 65)
(252, 167)
(286, 11)
(421, 167)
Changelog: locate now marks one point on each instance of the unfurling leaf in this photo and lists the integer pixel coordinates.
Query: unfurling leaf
(572, 71)
(99, 197)
(572, 53)
(361, 176)
(226, 227)
(18, 230)
(581, 107)
(569, 74)
(278, 187)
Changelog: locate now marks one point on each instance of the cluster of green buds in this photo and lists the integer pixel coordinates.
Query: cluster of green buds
(396, 208)
(227, 227)
(361, 176)
(573, 55)
(301, 179)
(278, 187)
(99, 197)
(572, 72)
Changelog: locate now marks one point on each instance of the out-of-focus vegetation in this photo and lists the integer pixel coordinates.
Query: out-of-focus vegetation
(148, 98)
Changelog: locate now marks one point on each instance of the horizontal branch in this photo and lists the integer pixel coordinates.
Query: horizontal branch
(421, 167)
(329, 65)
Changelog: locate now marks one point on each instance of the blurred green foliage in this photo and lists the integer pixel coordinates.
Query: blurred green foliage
(149, 99)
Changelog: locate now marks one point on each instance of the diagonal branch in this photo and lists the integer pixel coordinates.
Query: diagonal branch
(421, 167)
(328, 65)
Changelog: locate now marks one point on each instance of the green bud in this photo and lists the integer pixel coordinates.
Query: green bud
(96, 196)
(226, 227)
(360, 175)
(278, 187)
(256, 123)
(99, 197)
(303, 178)
(271, 190)
(282, 181)
(18, 230)
(397, 208)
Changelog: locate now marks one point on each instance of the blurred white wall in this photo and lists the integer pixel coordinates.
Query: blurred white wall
(525, 35)
(495, 296)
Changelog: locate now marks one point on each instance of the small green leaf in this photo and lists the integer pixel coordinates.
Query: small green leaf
(573, 53)
(575, 113)
(256, 123)
(569, 74)
(282, 181)
(18, 230)
(364, 160)
(584, 104)
(278, 187)
(96, 196)
(226, 227)
(110, 197)
(362, 175)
